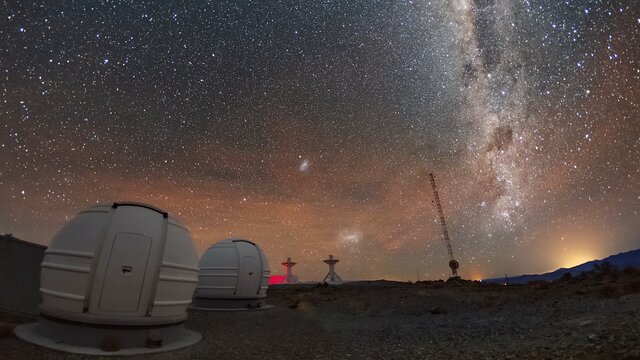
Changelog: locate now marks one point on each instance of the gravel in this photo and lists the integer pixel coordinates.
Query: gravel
(572, 319)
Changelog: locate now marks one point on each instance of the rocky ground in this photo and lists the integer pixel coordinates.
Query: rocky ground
(596, 316)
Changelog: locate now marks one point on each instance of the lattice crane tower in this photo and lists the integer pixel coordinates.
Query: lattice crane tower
(453, 263)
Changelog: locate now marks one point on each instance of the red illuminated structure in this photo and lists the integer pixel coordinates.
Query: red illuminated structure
(276, 279)
(289, 278)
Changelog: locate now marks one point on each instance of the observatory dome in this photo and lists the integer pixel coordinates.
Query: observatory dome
(116, 280)
(234, 274)
(120, 264)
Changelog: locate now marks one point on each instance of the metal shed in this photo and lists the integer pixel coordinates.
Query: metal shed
(20, 275)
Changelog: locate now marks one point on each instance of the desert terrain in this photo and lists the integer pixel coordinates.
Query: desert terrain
(593, 316)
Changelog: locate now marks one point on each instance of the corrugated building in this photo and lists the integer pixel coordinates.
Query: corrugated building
(20, 275)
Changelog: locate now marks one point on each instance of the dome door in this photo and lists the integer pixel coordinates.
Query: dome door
(125, 273)
(249, 279)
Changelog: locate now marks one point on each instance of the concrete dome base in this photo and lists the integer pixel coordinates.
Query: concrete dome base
(106, 341)
(229, 304)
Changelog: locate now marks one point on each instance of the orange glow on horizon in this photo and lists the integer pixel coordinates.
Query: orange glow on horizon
(577, 258)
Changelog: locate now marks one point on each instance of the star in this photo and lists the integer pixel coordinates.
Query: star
(311, 129)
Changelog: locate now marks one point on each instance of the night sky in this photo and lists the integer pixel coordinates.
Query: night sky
(311, 127)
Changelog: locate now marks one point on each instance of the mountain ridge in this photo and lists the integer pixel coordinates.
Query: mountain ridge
(620, 261)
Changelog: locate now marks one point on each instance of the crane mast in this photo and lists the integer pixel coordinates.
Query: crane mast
(453, 263)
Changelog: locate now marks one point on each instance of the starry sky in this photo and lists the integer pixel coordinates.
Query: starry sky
(311, 127)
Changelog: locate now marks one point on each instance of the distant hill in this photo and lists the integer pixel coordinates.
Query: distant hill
(620, 261)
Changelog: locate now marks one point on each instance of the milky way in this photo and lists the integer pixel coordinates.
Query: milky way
(494, 83)
(310, 127)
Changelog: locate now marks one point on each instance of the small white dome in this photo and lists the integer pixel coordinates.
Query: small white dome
(120, 264)
(234, 273)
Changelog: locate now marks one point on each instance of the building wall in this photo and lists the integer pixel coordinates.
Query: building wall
(20, 275)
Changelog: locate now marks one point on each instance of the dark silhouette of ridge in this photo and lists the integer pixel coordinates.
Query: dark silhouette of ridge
(619, 261)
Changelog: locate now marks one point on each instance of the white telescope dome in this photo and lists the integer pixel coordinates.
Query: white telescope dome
(234, 274)
(120, 265)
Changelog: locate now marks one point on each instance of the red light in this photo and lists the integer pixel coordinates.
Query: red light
(276, 279)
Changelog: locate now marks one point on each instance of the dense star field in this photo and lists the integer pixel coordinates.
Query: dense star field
(311, 127)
